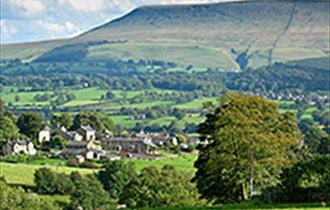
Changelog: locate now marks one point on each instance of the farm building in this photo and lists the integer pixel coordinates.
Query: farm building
(129, 145)
(18, 147)
(87, 149)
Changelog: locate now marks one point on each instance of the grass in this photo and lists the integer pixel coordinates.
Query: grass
(142, 105)
(190, 118)
(196, 104)
(125, 121)
(184, 162)
(55, 199)
(162, 121)
(25, 98)
(22, 174)
(283, 54)
(182, 54)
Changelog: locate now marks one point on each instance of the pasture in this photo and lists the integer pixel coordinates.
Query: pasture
(89, 99)
(22, 173)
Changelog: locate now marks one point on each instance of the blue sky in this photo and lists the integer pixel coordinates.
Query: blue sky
(34, 20)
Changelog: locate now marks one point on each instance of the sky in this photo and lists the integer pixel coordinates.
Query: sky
(35, 20)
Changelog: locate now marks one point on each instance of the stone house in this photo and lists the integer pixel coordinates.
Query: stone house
(48, 132)
(90, 150)
(156, 138)
(88, 133)
(44, 135)
(18, 147)
(129, 145)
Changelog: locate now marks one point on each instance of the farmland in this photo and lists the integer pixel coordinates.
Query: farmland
(22, 173)
(90, 99)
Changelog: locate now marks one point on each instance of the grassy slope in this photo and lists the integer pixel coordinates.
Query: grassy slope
(183, 54)
(321, 62)
(25, 98)
(196, 104)
(23, 173)
(91, 96)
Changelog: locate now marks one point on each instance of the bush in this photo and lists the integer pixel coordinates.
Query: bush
(307, 181)
(49, 182)
(73, 162)
(90, 195)
(18, 199)
(165, 188)
(115, 175)
(22, 158)
(88, 164)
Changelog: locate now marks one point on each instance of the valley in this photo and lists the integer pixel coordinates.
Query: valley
(191, 106)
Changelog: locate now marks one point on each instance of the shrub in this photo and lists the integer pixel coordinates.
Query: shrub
(73, 162)
(49, 182)
(88, 164)
(165, 188)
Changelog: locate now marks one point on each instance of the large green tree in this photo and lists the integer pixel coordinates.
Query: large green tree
(15, 198)
(115, 175)
(98, 121)
(63, 119)
(49, 182)
(165, 188)
(8, 129)
(30, 123)
(249, 144)
(89, 194)
(308, 180)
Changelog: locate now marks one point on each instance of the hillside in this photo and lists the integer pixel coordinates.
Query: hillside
(224, 35)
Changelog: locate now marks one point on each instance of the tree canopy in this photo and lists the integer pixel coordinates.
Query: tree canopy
(165, 188)
(30, 123)
(99, 122)
(250, 142)
(8, 129)
(115, 176)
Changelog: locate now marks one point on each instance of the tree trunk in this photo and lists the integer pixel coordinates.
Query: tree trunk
(251, 170)
(245, 193)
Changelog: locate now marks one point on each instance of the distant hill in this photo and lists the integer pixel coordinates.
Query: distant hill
(230, 36)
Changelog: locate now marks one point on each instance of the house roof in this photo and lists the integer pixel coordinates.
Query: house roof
(87, 128)
(79, 151)
(129, 139)
(77, 143)
(19, 142)
(47, 128)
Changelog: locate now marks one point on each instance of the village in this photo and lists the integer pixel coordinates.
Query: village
(86, 143)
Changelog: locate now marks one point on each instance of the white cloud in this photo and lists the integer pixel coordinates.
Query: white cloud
(28, 7)
(58, 28)
(28, 20)
(7, 31)
(87, 5)
(123, 4)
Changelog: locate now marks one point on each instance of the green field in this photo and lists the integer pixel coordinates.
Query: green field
(196, 104)
(21, 173)
(88, 99)
(25, 98)
(182, 54)
(184, 162)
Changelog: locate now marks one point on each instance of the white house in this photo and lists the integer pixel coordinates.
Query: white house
(19, 147)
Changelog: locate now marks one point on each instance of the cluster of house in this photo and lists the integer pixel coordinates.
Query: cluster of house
(295, 97)
(85, 143)
(18, 147)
